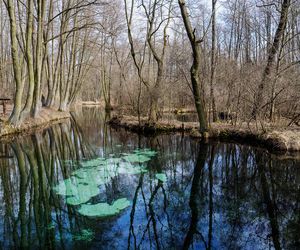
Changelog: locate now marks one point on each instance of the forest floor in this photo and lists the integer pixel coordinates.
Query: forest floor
(46, 117)
(273, 138)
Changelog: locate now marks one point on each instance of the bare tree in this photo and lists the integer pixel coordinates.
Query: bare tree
(195, 44)
(267, 74)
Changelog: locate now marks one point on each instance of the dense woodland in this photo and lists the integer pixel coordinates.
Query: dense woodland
(231, 66)
(240, 58)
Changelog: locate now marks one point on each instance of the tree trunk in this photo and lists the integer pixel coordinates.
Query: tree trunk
(258, 99)
(213, 57)
(29, 58)
(15, 116)
(195, 44)
(39, 58)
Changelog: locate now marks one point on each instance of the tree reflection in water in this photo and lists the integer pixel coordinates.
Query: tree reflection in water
(216, 196)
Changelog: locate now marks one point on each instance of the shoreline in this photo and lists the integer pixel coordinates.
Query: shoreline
(275, 140)
(46, 117)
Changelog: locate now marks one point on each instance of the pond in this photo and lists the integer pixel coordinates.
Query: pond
(83, 185)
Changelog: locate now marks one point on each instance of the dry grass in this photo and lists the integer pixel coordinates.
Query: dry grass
(273, 138)
(45, 118)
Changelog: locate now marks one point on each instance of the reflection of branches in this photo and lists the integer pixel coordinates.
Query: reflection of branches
(131, 229)
(152, 217)
(79, 135)
(211, 163)
(152, 214)
(193, 199)
(22, 193)
(38, 162)
(269, 203)
(165, 208)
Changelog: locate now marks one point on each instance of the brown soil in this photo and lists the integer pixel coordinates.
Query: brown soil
(274, 139)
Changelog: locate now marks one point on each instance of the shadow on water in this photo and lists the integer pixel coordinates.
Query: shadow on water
(191, 195)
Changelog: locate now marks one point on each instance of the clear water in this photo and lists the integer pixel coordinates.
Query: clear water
(82, 185)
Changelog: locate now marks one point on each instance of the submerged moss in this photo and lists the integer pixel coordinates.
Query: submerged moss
(136, 158)
(93, 163)
(84, 194)
(161, 177)
(84, 182)
(146, 152)
(66, 188)
(140, 156)
(84, 235)
(104, 209)
(51, 226)
(128, 168)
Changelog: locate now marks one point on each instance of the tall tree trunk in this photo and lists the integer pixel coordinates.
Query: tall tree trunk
(64, 103)
(15, 116)
(195, 44)
(258, 99)
(154, 95)
(213, 61)
(39, 58)
(29, 58)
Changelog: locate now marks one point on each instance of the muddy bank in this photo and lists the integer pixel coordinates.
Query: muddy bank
(46, 117)
(273, 139)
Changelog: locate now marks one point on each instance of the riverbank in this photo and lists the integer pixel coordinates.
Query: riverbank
(46, 117)
(272, 138)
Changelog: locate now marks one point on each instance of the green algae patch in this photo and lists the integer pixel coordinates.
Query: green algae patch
(139, 156)
(66, 188)
(128, 168)
(136, 158)
(77, 193)
(83, 195)
(84, 183)
(104, 209)
(121, 204)
(85, 235)
(51, 226)
(113, 161)
(145, 152)
(97, 175)
(92, 163)
(161, 177)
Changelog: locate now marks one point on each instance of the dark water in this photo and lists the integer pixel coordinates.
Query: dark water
(179, 194)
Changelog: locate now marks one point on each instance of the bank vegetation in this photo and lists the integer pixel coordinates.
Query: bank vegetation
(230, 61)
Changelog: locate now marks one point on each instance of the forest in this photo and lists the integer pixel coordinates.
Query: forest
(224, 59)
(149, 124)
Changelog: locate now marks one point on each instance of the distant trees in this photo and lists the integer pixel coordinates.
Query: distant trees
(138, 54)
(273, 49)
(260, 54)
(157, 18)
(48, 44)
(5, 76)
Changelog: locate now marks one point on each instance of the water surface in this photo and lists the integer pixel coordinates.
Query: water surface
(83, 185)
